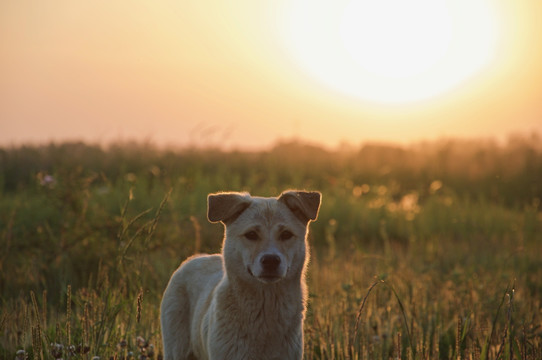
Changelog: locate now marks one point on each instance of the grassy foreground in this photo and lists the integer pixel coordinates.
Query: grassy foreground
(428, 252)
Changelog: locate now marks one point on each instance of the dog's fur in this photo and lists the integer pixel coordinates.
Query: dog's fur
(249, 301)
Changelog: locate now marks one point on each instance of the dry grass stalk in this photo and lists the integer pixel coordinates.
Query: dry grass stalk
(398, 346)
(358, 316)
(139, 303)
(86, 324)
(68, 313)
(36, 331)
(44, 308)
(197, 232)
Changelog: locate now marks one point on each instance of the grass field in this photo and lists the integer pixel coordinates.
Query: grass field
(432, 251)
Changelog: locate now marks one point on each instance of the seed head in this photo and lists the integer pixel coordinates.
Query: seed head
(20, 355)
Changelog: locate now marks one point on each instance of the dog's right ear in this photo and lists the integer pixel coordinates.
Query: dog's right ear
(226, 207)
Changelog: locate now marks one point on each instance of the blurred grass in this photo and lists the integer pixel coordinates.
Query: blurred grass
(449, 233)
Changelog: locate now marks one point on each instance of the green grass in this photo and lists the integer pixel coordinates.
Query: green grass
(426, 252)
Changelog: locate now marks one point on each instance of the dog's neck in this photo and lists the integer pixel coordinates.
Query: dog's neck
(275, 299)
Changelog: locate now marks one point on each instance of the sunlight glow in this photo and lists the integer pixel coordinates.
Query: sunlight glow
(391, 51)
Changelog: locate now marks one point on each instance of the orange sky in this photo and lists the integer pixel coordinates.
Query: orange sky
(221, 73)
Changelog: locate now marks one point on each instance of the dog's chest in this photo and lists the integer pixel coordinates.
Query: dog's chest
(258, 344)
(267, 327)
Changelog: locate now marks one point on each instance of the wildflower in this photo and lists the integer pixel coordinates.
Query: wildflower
(20, 355)
(82, 349)
(57, 350)
(46, 180)
(141, 343)
(150, 351)
(71, 350)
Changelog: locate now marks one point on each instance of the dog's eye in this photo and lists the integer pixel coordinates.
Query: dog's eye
(286, 235)
(252, 235)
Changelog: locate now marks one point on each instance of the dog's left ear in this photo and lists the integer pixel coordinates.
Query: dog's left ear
(304, 204)
(226, 207)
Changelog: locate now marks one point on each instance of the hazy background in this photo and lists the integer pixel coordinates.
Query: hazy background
(432, 215)
(219, 73)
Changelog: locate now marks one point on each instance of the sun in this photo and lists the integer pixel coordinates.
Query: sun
(394, 38)
(391, 51)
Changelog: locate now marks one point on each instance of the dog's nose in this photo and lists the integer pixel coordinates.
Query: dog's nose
(270, 261)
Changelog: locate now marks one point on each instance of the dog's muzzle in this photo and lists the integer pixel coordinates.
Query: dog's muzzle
(270, 269)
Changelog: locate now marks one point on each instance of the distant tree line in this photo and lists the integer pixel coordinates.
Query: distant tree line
(508, 174)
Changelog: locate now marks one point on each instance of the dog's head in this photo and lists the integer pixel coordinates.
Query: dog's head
(266, 238)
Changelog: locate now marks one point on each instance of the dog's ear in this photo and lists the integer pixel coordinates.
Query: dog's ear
(304, 204)
(226, 207)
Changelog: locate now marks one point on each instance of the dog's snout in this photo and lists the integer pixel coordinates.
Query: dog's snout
(270, 261)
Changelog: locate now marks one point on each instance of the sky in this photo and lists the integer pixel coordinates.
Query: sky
(246, 74)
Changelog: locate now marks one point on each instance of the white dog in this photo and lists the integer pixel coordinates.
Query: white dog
(248, 302)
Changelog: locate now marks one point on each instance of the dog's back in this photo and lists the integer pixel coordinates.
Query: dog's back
(249, 302)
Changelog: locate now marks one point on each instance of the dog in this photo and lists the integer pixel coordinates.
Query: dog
(249, 301)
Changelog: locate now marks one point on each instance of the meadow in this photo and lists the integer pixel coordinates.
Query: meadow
(427, 251)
